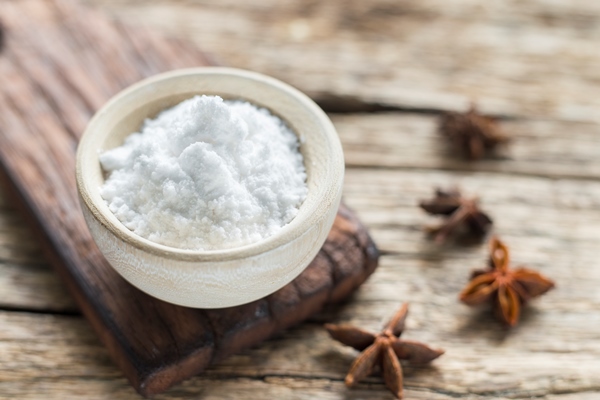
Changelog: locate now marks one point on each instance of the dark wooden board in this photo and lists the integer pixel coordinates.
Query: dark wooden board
(58, 63)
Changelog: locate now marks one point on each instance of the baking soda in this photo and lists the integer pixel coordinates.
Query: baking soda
(207, 174)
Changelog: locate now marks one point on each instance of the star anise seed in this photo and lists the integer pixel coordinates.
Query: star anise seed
(384, 349)
(508, 289)
(471, 134)
(460, 211)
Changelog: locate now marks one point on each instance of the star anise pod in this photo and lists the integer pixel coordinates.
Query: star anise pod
(508, 289)
(461, 212)
(471, 134)
(383, 349)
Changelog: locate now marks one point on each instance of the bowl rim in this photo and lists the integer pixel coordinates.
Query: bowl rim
(330, 189)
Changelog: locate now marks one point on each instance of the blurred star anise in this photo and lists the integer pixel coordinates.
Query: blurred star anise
(384, 349)
(508, 289)
(471, 134)
(460, 211)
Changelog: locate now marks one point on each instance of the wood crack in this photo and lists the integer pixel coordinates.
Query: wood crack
(64, 313)
(481, 168)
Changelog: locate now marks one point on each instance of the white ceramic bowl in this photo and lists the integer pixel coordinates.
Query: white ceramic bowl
(221, 278)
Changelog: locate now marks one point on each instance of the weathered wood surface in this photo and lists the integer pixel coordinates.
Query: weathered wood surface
(47, 93)
(525, 58)
(531, 60)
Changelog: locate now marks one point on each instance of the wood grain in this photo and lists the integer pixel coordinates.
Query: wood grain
(550, 224)
(48, 92)
(529, 59)
(519, 58)
(407, 140)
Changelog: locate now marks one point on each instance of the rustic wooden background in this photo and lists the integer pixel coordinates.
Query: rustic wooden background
(385, 70)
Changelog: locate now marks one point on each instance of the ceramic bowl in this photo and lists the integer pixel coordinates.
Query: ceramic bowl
(219, 278)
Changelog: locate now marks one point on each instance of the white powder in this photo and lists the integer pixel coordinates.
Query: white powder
(206, 174)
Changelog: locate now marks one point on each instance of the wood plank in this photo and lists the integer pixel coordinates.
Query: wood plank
(551, 225)
(407, 140)
(559, 212)
(386, 200)
(85, 59)
(33, 287)
(522, 58)
(26, 281)
(304, 362)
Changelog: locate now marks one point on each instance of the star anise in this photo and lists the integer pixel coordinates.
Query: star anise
(384, 349)
(460, 211)
(471, 134)
(508, 289)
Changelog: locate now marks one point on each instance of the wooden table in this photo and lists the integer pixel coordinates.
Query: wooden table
(384, 70)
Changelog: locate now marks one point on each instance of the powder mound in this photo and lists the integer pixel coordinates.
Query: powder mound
(206, 174)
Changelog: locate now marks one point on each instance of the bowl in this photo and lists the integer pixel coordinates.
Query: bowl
(216, 278)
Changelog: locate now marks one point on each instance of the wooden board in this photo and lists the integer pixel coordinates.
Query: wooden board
(52, 78)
